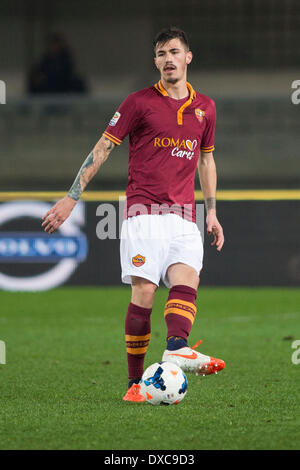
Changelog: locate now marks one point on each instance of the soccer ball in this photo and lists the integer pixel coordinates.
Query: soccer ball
(164, 383)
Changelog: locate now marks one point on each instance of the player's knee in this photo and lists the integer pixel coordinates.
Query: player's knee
(181, 274)
(143, 292)
(147, 290)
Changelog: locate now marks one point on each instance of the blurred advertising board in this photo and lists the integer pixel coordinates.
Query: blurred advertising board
(261, 244)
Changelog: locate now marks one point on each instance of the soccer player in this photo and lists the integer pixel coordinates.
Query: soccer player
(171, 134)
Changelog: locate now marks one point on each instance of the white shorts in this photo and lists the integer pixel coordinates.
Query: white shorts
(151, 243)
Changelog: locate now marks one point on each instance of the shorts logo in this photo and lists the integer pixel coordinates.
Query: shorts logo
(138, 260)
(199, 114)
(115, 118)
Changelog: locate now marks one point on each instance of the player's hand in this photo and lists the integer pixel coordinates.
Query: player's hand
(214, 227)
(58, 214)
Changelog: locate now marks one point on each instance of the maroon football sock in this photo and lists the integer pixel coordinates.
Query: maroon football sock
(137, 334)
(180, 311)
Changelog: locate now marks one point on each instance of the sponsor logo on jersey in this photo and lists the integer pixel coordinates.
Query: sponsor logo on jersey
(199, 114)
(138, 260)
(182, 148)
(115, 118)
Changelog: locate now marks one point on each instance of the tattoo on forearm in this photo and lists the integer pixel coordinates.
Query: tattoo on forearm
(210, 203)
(90, 167)
(80, 182)
(110, 145)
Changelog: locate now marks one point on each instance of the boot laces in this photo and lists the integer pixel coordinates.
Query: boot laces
(197, 344)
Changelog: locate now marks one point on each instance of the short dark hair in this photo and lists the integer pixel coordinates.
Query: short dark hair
(167, 34)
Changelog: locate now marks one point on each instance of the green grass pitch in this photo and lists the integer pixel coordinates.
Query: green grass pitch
(66, 373)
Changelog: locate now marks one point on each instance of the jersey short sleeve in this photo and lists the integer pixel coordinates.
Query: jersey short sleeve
(208, 138)
(124, 121)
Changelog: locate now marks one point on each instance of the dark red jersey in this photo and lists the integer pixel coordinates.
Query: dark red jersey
(165, 138)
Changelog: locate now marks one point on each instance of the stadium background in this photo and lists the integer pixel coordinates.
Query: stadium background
(245, 57)
(65, 373)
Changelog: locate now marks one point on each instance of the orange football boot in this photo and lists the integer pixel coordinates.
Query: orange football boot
(134, 394)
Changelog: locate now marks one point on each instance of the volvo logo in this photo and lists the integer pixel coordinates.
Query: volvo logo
(64, 250)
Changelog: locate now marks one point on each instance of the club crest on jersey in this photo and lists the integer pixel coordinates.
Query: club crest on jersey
(199, 114)
(115, 118)
(138, 260)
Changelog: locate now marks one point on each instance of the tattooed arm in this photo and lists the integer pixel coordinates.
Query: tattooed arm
(63, 208)
(208, 182)
(90, 167)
